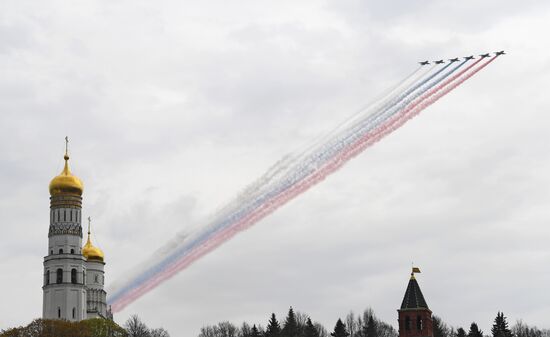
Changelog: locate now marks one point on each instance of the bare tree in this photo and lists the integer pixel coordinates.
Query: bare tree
(159, 332)
(208, 331)
(136, 328)
(351, 324)
(301, 319)
(321, 329)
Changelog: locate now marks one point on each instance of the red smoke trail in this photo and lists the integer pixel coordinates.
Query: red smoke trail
(352, 151)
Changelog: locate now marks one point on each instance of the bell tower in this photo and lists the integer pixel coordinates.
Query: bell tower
(64, 290)
(415, 318)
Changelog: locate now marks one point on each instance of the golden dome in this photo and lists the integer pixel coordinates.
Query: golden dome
(66, 182)
(90, 252)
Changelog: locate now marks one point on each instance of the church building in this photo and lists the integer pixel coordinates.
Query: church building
(73, 274)
(415, 318)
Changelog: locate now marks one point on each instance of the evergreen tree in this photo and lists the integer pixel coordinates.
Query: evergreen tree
(291, 326)
(273, 328)
(474, 331)
(500, 328)
(254, 332)
(340, 329)
(310, 330)
(370, 328)
(460, 332)
(440, 328)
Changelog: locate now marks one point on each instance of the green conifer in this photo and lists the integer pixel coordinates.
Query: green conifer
(310, 330)
(474, 331)
(290, 328)
(273, 328)
(340, 329)
(500, 328)
(254, 332)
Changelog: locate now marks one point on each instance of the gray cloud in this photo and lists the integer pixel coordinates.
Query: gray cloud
(174, 108)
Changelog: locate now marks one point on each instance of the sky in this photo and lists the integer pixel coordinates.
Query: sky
(173, 107)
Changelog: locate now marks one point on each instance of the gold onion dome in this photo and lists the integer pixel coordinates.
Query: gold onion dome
(91, 252)
(66, 182)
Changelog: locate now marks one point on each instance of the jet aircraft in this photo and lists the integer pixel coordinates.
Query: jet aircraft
(485, 55)
(439, 62)
(454, 60)
(469, 57)
(424, 63)
(500, 53)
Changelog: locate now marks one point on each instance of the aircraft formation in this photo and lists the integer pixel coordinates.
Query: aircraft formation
(456, 59)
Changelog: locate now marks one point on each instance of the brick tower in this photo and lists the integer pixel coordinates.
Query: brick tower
(415, 318)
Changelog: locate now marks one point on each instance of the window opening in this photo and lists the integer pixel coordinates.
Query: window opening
(407, 323)
(73, 276)
(59, 278)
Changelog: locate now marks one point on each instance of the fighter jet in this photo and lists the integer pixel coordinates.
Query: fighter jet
(454, 60)
(424, 63)
(500, 53)
(469, 57)
(485, 55)
(439, 62)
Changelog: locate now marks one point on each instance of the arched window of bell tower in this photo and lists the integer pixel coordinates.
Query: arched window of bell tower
(73, 276)
(74, 313)
(419, 323)
(72, 251)
(59, 274)
(61, 251)
(58, 312)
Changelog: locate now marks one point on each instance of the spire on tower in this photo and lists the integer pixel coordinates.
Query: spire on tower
(66, 148)
(413, 298)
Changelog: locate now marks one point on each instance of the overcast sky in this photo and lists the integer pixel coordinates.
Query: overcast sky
(173, 107)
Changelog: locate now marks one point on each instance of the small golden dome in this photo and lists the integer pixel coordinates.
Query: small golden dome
(91, 252)
(66, 182)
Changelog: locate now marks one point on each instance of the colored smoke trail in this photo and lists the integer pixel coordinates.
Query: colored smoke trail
(242, 203)
(273, 190)
(249, 203)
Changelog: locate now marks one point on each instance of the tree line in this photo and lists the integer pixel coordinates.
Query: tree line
(295, 324)
(367, 324)
(95, 327)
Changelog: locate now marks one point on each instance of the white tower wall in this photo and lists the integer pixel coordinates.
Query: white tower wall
(96, 295)
(64, 292)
